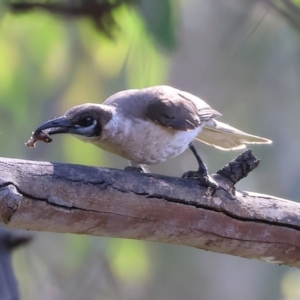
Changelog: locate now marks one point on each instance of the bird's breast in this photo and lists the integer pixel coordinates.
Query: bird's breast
(142, 141)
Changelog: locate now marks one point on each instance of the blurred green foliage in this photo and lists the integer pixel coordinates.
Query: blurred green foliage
(290, 285)
(53, 64)
(289, 9)
(160, 16)
(135, 265)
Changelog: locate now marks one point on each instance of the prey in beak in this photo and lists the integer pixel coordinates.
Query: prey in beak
(82, 121)
(55, 126)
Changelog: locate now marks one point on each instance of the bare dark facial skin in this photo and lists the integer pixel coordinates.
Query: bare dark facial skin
(38, 136)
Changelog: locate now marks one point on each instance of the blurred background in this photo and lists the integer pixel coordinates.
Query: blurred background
(241, 56)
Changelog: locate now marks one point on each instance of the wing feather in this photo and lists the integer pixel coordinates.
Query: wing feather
(226, 137)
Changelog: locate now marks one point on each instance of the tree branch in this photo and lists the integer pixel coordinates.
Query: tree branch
(107, 202)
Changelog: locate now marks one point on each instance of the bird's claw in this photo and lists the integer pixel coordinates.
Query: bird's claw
(134, 169)
(205, 180)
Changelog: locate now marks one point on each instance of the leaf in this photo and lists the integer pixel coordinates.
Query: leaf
(160, 20)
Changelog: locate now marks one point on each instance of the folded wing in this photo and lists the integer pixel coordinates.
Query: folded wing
(226, 137)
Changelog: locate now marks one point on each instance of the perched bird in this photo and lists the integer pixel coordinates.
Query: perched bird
(150, 125)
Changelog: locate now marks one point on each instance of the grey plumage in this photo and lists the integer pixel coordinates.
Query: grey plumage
(150, 125)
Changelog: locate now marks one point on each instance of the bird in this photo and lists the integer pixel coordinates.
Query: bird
(150, 125)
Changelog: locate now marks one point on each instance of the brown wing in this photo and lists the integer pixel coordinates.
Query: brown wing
(164, 105)
(176, 113)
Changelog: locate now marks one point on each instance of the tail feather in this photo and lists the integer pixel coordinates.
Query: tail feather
(226, 137)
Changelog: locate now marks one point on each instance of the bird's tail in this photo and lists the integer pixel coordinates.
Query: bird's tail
(226, 137)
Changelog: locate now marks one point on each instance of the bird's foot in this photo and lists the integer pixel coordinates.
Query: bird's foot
(134, 169)
(204, 179)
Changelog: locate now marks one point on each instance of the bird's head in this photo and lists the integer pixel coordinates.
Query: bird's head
(86, 121)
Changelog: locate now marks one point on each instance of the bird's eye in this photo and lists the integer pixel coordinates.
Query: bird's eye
(85, 122)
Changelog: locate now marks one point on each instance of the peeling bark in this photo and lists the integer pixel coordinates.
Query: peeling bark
(107, 202)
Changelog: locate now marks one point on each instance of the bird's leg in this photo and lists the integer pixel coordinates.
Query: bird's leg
(202, 173)
(134, 167)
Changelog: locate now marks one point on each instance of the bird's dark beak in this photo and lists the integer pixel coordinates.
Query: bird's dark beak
(55, 126)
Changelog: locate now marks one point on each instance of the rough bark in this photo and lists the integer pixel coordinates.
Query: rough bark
(107, 202)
